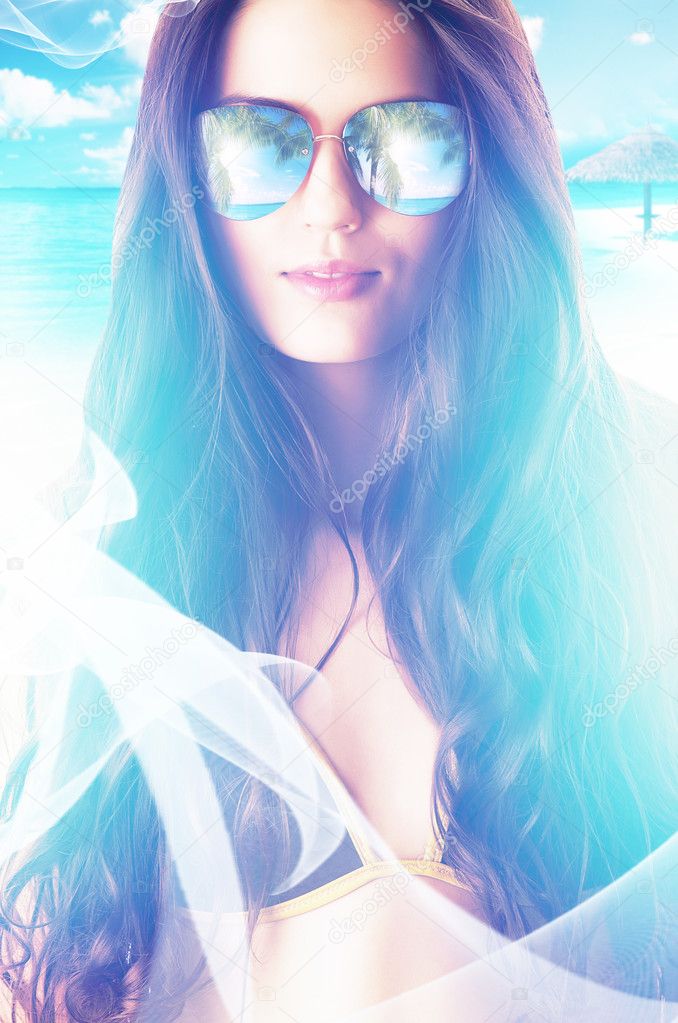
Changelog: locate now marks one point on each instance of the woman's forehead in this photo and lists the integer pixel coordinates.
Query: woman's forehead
(325, 58)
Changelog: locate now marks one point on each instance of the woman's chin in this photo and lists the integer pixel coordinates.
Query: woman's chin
(318, 348)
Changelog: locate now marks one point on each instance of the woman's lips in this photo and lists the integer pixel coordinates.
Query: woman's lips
(332, 289)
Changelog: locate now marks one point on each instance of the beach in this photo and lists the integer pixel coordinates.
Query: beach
(631, 289)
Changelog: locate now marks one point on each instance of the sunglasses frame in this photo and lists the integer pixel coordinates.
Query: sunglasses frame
(239, 100)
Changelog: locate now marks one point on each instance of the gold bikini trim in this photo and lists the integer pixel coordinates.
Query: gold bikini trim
(356, 879)
(346, 884)
(427, 865)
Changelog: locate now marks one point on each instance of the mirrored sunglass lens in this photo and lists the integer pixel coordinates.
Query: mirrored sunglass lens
(412, 157)
(251, 159)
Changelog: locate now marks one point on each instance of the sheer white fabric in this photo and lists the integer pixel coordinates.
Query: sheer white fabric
(406, 949)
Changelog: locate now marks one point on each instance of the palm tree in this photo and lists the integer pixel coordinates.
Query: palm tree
(426, 124)
(375, 129)
(246, 127)
(372, 133)
(295, 139)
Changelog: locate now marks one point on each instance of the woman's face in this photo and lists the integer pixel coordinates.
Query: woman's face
(316, 55)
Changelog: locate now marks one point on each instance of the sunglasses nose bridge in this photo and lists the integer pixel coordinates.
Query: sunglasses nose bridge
(340, 138)
(315, 138)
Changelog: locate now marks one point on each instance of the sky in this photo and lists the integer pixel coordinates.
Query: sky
(608, 68)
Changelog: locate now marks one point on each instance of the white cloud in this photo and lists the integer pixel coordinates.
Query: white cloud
(534, 30)
(137, 29)
(18, 133)
(641, 38)
(87, 136)
(566, 135)
(664, 109)
(111, 158)
(590, 128)
(107, 97)
(100, 18)
(26, 99)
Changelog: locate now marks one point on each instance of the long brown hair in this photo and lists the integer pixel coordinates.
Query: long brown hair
(514, 597)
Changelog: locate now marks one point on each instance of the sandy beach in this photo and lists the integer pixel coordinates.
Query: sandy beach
(631, 287)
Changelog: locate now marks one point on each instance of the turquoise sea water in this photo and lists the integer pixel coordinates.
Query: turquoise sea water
(593, 196)
(252, 211)
(55, 252)
(50, 239)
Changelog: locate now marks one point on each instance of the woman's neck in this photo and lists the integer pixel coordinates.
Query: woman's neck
(346, 403)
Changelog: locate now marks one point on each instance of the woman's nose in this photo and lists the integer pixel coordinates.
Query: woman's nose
(330, 197)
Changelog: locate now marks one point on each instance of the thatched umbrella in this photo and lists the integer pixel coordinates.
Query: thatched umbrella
(645, 157)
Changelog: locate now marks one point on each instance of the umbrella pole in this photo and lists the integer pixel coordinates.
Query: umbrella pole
(647, 217)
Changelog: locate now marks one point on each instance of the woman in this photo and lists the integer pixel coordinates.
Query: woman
(503, 558)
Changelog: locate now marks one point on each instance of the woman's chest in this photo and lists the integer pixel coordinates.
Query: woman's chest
(383, 940)
(365, 711)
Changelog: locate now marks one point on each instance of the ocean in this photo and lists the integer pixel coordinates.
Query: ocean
(55, 253)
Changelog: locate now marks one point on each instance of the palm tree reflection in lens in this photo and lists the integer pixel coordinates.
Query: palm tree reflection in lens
(375, 133)
(235, 137)
(379, 142)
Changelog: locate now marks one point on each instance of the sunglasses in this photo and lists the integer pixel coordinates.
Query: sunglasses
(411, 156)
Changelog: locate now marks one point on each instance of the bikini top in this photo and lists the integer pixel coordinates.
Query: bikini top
(354, 863)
